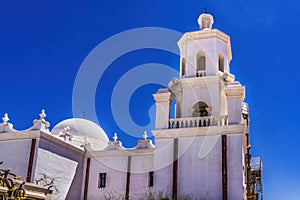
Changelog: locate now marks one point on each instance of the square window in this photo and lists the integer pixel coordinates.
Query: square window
(102, 180)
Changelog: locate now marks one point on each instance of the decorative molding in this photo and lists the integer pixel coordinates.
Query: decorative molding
(117, 153)
(59, 142)
(236, 129)
(206, 34)
(162, 98)
(235, 91)
(20, 135)
(198, 82)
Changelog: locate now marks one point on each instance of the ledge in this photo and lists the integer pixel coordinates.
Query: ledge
(235, 129)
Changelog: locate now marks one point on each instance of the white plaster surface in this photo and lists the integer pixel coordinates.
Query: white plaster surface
(15, 156)
(63, 171)
(116, 169)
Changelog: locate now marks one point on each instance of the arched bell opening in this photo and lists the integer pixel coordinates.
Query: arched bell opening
(201, 109)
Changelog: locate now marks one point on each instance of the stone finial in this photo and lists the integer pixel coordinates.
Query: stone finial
(86, 145)
(43, 114)
(5, 118)
(65, 133)
(205, 21)
(145, 136)
(115, 137)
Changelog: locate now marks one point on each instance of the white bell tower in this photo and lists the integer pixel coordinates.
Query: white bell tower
(206, 142)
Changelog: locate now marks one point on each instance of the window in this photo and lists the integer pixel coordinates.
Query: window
(221, 62)
(102, 180)
(151, 179)
(201, 64)
(183, 63)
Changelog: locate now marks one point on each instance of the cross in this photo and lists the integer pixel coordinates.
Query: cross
(145, 135)
(43, 114)
(115, 137)
(5, 118)
(205, 10)
(83, 114)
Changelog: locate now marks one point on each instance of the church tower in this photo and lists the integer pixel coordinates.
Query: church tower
(201, 135)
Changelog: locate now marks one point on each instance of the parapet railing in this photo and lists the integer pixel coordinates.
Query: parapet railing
(201, 73)
(198, 122)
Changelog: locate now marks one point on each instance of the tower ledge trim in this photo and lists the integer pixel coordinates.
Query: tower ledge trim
(209, 34)
(234, 129)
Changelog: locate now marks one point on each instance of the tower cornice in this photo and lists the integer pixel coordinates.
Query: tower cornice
(234, 129)
(196, 82)
(235, 92)
(206, 34)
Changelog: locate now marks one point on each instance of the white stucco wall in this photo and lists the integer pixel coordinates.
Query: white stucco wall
(116, 173)
(200, 176)
(212, 48)
(206, 93)
(141, 165)
(115, 168)
(70, 153)
(235, 166)
(62, 172)
(15, 155)
(163, 165)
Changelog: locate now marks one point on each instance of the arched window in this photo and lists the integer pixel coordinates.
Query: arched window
(175, 110)
(201, 63)
(183, 65)
(221, 62)
(201, 109)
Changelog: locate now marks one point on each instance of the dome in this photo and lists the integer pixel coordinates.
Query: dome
(81, 131)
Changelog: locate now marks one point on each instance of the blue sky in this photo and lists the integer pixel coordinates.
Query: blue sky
(43, 43)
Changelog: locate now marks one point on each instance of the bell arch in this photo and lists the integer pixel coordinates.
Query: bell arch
(201, 109)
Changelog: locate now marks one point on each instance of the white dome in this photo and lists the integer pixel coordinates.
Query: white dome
(83, 131)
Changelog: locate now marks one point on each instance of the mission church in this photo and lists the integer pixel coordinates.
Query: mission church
(201, 153)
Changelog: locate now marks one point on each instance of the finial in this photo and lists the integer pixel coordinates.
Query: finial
(145, 136)
(65, 133)
(115, 137)
(205, 10)
(205, 21)
(43, 114)
(5, 118)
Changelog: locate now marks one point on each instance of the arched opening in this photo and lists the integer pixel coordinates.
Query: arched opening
(173, 109)
(201, 63)
(183, 65)
(221, 62)
(201, 109)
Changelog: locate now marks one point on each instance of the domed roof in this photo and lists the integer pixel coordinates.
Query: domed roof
(82, 131)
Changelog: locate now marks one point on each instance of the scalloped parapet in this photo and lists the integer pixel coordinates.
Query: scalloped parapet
(5, 126)
(41, 124)
(114, 145)
(145, 143)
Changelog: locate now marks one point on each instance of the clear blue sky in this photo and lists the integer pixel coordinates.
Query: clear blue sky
(43, 43)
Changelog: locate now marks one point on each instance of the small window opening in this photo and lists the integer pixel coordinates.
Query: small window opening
(183, 65)
(151, 179)
(102, 180)
(201, 64)
(221, 62)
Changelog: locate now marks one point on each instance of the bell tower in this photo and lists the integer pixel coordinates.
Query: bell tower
(202, 150)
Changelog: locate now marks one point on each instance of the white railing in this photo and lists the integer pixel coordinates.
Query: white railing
(201, 73)
(198, 122)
